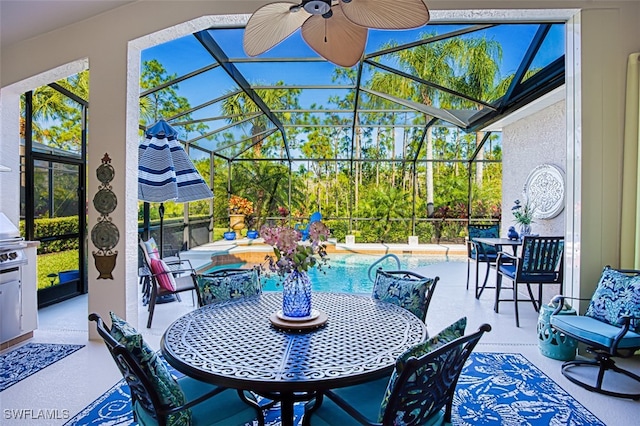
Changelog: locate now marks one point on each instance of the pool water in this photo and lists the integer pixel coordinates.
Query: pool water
(347, 273)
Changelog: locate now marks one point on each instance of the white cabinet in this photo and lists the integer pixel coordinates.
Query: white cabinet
(10, 310)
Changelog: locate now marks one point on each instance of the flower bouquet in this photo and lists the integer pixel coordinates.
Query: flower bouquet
(292, 259)
(240, 205)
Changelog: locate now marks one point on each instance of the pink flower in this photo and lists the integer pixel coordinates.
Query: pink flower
(290, 253)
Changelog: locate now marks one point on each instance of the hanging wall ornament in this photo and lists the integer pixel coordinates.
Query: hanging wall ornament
(105, 234)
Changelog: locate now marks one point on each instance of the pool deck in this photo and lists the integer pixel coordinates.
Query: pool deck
(254, 251)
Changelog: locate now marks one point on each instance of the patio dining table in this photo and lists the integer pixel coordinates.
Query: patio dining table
(235, 344)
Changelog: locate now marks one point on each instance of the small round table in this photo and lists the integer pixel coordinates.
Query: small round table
(234, 344)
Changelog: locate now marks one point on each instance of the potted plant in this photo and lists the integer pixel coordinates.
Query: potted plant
(239, 208)
(292, 259)
(523, 216)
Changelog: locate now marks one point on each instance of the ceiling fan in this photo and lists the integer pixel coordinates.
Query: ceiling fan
(335, 29)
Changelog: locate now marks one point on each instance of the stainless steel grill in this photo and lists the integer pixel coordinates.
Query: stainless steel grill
(13, 255)
(12, 246)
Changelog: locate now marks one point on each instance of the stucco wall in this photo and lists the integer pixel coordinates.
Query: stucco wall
(537, 139)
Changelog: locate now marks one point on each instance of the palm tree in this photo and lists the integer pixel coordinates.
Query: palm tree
(479, 71)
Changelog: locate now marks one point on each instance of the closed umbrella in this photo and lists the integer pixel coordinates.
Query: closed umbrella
(165, 171)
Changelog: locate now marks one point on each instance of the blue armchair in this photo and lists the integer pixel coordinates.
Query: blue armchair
(304, 230)
(610, 328)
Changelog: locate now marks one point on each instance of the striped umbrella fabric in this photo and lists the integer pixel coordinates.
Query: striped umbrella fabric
(165, 171)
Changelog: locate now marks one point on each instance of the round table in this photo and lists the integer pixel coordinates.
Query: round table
(234, 344)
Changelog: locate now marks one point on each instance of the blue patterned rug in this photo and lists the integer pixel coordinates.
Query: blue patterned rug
(26, 360)
(494, 389)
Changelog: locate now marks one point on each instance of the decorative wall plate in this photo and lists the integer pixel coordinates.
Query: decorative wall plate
(105, 173)
(105, 201)
(105, 235)
(545, 189)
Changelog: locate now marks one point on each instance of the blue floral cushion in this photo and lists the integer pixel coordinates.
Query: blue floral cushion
(617, 294)
(164, 383)
(403, 290)
(447, 335)
(481, 232)
(228, 284)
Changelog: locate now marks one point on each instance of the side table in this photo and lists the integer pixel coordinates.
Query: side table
(552, 343)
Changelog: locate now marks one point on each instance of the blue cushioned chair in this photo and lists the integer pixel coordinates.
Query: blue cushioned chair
(540, 262)
(610, 328)
(420, 391)
(481, 253)
(159, 399)
(304, 230)
(407, 289)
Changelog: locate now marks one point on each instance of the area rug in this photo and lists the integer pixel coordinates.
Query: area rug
(494, 389)
(26, 360)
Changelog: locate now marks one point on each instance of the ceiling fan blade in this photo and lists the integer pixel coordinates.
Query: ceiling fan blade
(336, 38)
(271, 24)
(386, 14)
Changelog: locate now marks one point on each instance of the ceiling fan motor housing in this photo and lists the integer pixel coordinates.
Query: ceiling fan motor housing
(317, 7)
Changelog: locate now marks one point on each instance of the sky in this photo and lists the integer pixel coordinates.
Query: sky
(187, 54)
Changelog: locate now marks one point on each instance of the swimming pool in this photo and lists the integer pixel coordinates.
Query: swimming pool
(347, 273)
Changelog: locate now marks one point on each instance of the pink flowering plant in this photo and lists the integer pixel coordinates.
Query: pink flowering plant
(291, 253)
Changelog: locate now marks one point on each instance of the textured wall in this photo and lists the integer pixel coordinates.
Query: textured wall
(535, 140)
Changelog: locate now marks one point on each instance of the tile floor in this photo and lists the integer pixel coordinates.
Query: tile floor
(71, 384)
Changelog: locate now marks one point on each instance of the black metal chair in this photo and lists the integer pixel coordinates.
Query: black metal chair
(229, 283)
(481, 253)
(610, 328)
(406, 289)
(540, 262)
(419, 393)
(167, 280)
(159, 399)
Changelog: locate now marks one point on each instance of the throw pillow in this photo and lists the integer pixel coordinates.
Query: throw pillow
(163, 274)
(152, 248)
(447, 335)
(617, 294)
(403, 290)
(156, 370)
(228, 284)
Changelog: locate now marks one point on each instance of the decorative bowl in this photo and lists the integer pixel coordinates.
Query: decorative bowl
(229, 235)
(252, 235)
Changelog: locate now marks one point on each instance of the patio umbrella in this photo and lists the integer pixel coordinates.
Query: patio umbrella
(165, 171)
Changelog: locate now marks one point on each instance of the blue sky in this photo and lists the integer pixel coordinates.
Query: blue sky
(187, 54)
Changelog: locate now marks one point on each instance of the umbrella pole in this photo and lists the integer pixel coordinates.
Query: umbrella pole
(161, 211)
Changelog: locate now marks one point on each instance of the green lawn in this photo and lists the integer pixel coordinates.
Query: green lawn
(52, 263)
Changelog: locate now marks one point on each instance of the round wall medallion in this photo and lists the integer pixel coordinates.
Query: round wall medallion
(544, 189)
(105, 235)
(105, 201)
(105, 173)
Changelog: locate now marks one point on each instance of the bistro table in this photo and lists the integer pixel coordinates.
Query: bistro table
(234, 344)
(498, 243)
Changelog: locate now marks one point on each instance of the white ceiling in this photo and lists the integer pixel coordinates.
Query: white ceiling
(24, 19)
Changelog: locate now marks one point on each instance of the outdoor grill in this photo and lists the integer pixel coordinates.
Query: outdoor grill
(13, 256)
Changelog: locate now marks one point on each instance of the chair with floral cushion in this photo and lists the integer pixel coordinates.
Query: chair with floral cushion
(610, 328)
(481, 253)
(407, 289)
(419, 391)
(540, 262)
(157, 398)
(229, 283)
